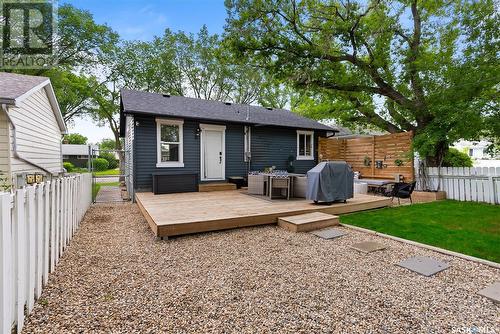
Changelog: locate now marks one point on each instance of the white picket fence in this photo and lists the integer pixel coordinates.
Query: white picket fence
(479, 184)
(36, 225)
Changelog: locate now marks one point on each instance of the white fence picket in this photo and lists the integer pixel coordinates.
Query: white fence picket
(481, 184)
(5, 264)
(31, 236)
(39, 240)
(46, 233)
(36, 224)
(52, 243)
(20, 217)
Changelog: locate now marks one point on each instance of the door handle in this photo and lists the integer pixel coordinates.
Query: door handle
(220, 159)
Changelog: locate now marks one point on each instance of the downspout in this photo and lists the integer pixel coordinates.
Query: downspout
(14, 143)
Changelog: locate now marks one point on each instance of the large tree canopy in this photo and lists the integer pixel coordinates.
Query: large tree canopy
(197, 65)
(426, 66)
(80, 42)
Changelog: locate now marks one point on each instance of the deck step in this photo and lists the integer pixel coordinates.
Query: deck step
(216, 186)
(308, 222)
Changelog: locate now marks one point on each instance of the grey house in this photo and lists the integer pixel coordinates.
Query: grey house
(173, 143)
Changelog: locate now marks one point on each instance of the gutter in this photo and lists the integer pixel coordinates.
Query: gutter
(14, 143)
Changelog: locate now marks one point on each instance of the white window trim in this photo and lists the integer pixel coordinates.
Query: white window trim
(305, 157)
(167, 164)
(213, 127)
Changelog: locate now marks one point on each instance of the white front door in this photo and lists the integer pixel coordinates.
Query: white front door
(213, 153)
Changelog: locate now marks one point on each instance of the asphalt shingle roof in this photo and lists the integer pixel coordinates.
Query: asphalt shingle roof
(137, 102)
(13, 85)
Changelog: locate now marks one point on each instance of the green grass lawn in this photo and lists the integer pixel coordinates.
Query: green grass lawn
(465, 227)
(108, 172)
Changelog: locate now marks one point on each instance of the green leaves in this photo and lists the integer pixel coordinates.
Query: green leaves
(75, 138)
(427, 66)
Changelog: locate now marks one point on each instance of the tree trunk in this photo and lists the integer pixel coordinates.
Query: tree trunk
(121, 156)
(437, 159)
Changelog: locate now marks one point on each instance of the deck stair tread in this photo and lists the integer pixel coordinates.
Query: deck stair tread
(222, 186)
(308, 221)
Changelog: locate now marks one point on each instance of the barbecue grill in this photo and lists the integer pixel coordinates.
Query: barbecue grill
(330, 182)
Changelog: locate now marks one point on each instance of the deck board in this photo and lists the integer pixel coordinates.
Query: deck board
(184, 213)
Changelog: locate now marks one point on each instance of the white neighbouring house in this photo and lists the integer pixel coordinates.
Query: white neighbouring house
(477, 150)
(31, 130)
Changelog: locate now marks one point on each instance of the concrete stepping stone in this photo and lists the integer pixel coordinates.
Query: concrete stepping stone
(423, 265)
(492, 292)
(329, 233)
(368, 246)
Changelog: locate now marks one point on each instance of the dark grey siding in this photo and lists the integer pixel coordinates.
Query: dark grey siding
(235, 150)
(271, 146)
(145, 151)
(81, 163)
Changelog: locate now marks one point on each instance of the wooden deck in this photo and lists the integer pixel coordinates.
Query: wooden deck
(184, 213)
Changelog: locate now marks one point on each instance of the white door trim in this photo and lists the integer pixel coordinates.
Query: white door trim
(212, 127)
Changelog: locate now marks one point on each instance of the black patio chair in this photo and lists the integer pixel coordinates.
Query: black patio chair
(403, 190)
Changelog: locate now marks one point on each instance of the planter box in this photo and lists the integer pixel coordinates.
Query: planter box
(427, 196)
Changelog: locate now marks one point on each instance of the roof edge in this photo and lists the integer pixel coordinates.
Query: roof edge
(152, 114)
(49, 90)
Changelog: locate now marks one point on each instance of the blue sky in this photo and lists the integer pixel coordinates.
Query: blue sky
(134, 19)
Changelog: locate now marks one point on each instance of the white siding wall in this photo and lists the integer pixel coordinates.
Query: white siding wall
(4, 145)
(129, 157)
(38, 135)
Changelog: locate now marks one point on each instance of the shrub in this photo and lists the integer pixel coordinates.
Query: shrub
(456, 158)
(100, 164)
(68, 166)
(75, 138)
(110, 157)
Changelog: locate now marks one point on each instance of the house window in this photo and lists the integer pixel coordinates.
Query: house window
(305, 145)
(169, 143)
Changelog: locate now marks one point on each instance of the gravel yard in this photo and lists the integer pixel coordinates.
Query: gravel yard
(115, 277)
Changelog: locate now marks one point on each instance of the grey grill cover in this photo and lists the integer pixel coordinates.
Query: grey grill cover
(330, 181)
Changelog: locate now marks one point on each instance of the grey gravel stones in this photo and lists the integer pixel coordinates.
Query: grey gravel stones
(329, 233)
(368, 246)
(423, 265)
(116, 278)
(492, 292)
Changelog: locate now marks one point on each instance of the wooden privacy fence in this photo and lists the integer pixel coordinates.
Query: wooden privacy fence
(36, 225)
(375, 157)
(480, 184)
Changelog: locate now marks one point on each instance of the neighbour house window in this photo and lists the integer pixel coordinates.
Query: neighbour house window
(305, 145)
(169, 143)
